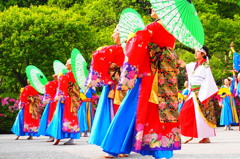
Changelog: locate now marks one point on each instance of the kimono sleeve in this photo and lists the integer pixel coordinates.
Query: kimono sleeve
(71, 77)
(136, 54)
(208, 88)
(23, 97)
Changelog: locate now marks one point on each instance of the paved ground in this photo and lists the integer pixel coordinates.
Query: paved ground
(225, 145)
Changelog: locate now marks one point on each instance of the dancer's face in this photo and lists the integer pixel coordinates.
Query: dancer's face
(115, 36)
(226, 82)
(154, 14)
(199, 55)
(68, 65)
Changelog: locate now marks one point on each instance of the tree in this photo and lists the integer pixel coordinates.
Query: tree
(20, 3)
(38, 36)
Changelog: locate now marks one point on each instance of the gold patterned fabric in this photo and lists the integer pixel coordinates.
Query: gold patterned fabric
(34, 107)
(74, 91)
(207, 110)
(164, 63)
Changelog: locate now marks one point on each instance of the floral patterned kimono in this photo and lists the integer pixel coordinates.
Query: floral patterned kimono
(152, 127)
(65, 122)
(50, 92)
(109, 101)
(28, 119)
(197, 115)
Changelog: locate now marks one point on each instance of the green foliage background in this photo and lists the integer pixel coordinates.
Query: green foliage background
(40, 31)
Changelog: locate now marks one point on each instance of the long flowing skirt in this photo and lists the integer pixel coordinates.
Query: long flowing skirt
(228, 113)
(102, 118)
(192, 121)
(82, 117)
(119, 137)
(85, 116)
(44, 121)
(55, 126)
(17, 127)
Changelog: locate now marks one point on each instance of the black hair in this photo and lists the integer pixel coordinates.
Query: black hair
(205, 48)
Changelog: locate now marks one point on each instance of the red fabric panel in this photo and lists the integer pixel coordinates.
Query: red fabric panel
(29, 121)
(52, 109)
(115, 108)
(187, 118)
(161, 36)
(102, 59)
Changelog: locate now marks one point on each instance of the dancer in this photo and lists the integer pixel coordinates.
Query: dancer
(197, 115)
(65, 122)
(50, 92)
(85, 113)
(228, 112)
(28, 118)
(147, 120)
(105, 70)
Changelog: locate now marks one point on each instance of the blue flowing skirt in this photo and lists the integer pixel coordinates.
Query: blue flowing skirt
(120, 135)
(44, 120)
(102, 118)
(17, 127)
(55, 126)
(82, 117)
(226, 113)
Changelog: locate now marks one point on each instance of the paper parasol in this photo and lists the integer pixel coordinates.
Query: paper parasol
(59, 67)
(79, 68)
(36, 78)
(180, 18)
(130, 22)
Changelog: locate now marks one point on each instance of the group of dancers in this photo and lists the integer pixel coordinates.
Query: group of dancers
(138, 107)
(65, 114)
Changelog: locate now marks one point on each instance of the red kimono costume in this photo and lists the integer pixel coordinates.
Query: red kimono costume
(102, 60)
(102, 65)
(150, 56)
(70, 118)
(50, 92)
(65, 122)
(51, 88)
(30, 102)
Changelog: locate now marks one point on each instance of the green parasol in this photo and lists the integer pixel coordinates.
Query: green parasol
(79, 68)
(130, 22)
(59, 67)
(36, 78)
(181, 20)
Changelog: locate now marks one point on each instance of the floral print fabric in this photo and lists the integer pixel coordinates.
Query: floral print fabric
(164, 63)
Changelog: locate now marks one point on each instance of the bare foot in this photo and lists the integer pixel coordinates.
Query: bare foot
(56, 142)
(108, 156)
(50, 140)
(30, 138)
(17, 137)
(123, 155)
(205, 140)
(187, 140)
